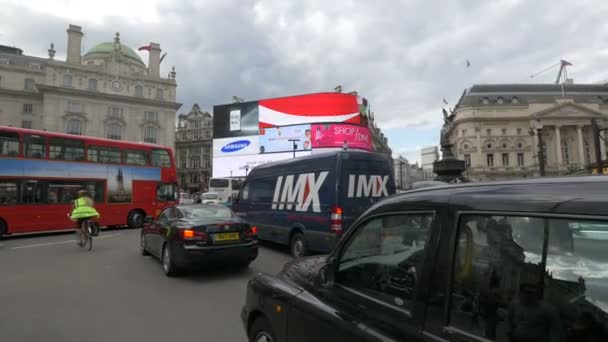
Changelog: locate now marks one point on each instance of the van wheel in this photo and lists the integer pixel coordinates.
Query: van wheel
(3, 228)
(135, 219)
(298, 245)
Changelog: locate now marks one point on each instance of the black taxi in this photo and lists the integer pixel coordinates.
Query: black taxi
(507, 261)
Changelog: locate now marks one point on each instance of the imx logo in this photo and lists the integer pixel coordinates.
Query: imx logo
(298, 193)
(367, 186)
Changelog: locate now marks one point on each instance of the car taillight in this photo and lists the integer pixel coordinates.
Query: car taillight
(193, 235)
(252, 232)
(336, 220)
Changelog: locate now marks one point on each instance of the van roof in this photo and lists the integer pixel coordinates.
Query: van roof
(587, 195)
(315, 156)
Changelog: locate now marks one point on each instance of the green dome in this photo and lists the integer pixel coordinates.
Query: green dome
(107, 48)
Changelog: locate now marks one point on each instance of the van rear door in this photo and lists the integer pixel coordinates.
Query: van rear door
(365, 178)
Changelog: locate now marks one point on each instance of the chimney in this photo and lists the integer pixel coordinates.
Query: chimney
(74, 44)
(154, 61)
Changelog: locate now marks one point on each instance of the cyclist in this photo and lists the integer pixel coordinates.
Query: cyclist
(83, 210)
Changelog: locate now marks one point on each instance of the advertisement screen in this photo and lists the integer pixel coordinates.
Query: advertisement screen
(335, 135)
(278, 139)
(226, 147)
(236, 166)
(310, 108)
(235, 120)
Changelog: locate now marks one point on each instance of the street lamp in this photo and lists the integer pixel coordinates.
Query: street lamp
(246, 170)
(536, 128)
(295, 146)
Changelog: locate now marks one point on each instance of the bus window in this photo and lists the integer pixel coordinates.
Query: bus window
(9, 144)
(166, 192)
(219, 183)
(66, 149)
(102, 154)
(161, 158)
(136, 158)
(8, 193)
(60, 192)
(34, 146)
(32, 192)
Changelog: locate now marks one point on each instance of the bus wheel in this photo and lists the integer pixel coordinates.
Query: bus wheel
(135, 219)
(3, 228)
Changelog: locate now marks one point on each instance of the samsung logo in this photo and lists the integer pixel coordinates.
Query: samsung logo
(236, 146)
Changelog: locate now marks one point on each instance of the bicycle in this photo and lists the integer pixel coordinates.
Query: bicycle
(85, 235)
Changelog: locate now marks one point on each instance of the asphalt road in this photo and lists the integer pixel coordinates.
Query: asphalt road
(51, 290)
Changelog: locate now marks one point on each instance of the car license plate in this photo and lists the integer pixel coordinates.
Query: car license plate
(226, 236)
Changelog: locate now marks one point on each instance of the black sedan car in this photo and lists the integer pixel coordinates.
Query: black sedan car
(186, 236)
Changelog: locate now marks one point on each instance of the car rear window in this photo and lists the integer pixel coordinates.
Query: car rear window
(207, 212)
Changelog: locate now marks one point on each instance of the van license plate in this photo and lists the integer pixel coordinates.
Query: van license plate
(226, 236)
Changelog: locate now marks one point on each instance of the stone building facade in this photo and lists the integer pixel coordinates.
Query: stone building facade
(193, 149)
(492, 128)
(407, 174)
(108, 92)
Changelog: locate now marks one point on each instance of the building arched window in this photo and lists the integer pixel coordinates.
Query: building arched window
(74, 126)
(92, 84)
(67, 80)
(139, 91)
(114, 130)
(150, 134)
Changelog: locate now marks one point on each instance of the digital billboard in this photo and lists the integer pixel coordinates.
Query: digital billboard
(277, 139)
(226, 147)
(235, 120)
(309, 108)
(236, 166)
(335, 135)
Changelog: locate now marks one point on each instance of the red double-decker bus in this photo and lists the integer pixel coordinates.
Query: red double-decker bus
(41, 173)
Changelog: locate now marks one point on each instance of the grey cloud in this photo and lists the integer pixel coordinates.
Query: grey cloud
(403, 56)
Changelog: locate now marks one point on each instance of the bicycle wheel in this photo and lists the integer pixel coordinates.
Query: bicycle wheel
(89, 236)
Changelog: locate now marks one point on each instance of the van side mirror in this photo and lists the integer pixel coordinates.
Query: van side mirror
(148, 219)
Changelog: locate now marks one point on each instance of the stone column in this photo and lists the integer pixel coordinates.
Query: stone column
(603, 148)
(479, 152)
(558, 146)
(581, 149)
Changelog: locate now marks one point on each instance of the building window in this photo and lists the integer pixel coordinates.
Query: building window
(150, 135)
(139, 91)
(114, 131)
(67, 80)
(194, 178)
(151, 116)
(196, 123)
(183, 162)
(504, 131)
(75, 107)
(489, 131)
(587, 153)
(505, 159)
(29, 84)
(467, 160)
(26, 124)
(206, 163)
(28, 108)
(489, 146)
(519, 131)
(520, 159)
(490, 159)
(92, 84)
(159, 94)
(74, 126)
(195, 162)
(566, 152)
(116, 112)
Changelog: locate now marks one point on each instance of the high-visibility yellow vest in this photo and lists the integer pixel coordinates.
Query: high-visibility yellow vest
(83, 208)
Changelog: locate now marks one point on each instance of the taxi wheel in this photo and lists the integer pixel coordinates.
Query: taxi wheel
(168, 263)
(261, 331)
(142, 246)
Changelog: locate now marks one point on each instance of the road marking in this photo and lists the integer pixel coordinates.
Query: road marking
(62, 242)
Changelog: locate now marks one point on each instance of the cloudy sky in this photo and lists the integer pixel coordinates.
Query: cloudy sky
(404, 56)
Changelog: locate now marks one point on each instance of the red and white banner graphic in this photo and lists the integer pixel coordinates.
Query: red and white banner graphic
(310, 108)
